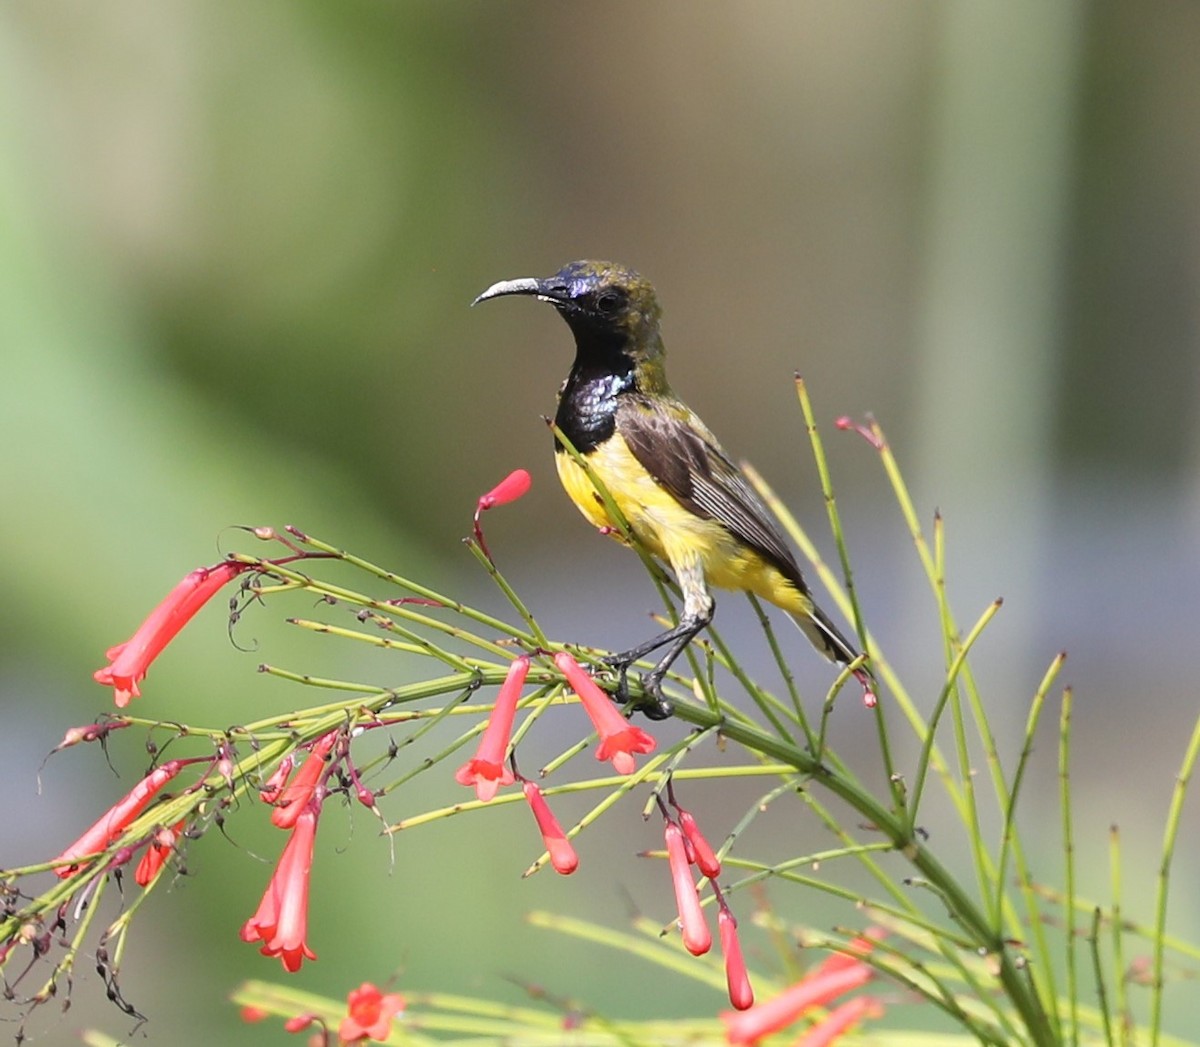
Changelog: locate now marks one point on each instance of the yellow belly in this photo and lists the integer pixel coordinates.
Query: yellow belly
(670, 531)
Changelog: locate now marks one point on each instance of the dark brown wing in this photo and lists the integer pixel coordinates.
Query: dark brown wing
(676, 448)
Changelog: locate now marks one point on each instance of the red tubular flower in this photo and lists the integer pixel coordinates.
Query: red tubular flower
(296, 794)
(252, 1014)
(840, 1020)
(371, 1014)
(157, 854)
(741, 995)
(128, 661)
(488, 770)
(273, 786)
(562, 854)
(859, 946)
(117, 818)
(619, 739)
(705, 857)
(814, 989)
(697, 938)
(281, 920)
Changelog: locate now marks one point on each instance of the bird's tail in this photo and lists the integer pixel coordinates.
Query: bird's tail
(824, 635)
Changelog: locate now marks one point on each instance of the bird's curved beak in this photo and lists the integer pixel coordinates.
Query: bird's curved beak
(523, 285)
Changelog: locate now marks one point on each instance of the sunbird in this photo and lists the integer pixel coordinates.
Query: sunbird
(682, 496)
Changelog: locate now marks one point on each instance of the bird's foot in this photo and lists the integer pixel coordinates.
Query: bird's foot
(651, 702)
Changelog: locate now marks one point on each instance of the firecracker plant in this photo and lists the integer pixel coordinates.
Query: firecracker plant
(1004, 959)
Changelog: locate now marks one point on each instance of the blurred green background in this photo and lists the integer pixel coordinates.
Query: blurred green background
(238, 243)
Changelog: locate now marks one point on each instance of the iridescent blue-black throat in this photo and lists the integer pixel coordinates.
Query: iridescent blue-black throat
(587, 407)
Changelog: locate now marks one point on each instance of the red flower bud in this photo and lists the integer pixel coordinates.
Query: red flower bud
(515, 485)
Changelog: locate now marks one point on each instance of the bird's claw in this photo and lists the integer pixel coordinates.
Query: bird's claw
(654, 706)
(651, 702)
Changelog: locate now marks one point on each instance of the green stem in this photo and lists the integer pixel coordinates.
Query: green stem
(1170, 836)
(1068, 835)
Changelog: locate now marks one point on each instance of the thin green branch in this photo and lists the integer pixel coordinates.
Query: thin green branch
(1170, 837)
(1068, 837)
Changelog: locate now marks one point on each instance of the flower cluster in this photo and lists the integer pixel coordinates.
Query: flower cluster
(370, 1013)
(687, 846)
(280, 922)
(300, 775)
(488, 770)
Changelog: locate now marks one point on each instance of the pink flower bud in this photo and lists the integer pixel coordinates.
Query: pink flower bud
(300, 790)
(157, 854)
(703, 856)
(741, 995)
(697, 938)
(273, 786)
(515, 485)
(562, 854)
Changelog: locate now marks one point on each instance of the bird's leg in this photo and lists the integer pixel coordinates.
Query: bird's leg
(698, 607)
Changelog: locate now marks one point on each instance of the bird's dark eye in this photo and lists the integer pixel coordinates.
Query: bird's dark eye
(608, 302)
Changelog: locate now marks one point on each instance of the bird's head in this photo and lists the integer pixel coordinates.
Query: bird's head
(611, 310)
